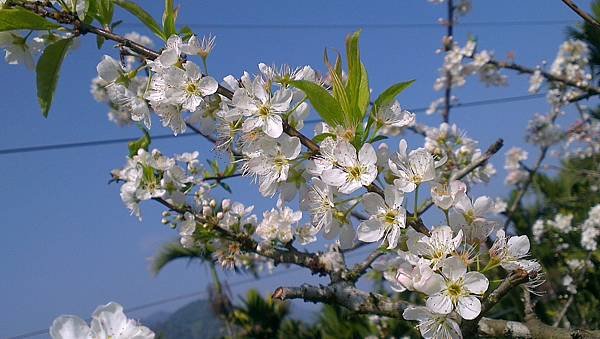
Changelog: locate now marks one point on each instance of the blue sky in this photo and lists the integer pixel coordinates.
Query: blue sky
(68, 244)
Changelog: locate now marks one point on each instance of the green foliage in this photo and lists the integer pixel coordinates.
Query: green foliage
(16, 18)
(390, 94)
(104, 10)
(48, 70)
(568, 192)
(336, 322)
(143, 16)
(324, 103)
(142, 143)
(357, 87)
(169, 17)
(259, 317)
(174, 251)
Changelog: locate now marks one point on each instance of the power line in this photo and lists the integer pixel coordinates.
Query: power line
(366, 25)
(187, 134)
(182, 297)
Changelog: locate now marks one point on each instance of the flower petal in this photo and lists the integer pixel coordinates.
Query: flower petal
(468, 307)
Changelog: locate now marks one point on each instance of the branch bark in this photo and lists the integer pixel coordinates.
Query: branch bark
(583, 14)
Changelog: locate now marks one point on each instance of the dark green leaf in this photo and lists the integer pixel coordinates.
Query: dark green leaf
(390, 94)
(47, 72)
(143, 16)
(225, 186)
(326, 105)
(16, 18)
(141, 143)
(99, 41)
(377, 138)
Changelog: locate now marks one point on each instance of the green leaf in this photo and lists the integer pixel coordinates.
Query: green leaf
(100, 41)
(143, 16)
(16, 18)
(391, 93)
(319, 138)
(225, 186)
(169, 17)
(92, 11)
(358, 80)
(47, 72)
(326, 106)
(377, 138)
(141, 143)
(105, 9)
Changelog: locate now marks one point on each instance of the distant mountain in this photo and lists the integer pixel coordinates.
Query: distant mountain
(195, 320)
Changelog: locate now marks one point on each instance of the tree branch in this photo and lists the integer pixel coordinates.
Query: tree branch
(583, 14)
(481, 161)
(346, 295)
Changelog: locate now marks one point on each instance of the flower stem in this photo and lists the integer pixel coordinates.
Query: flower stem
(416, 209)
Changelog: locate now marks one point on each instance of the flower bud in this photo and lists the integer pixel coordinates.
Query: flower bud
(164, 221)
(213, 203)
(166, 214)
(206, 211)
(226, 204)
(220, 215)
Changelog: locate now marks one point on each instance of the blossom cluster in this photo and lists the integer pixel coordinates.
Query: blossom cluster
(108, 321)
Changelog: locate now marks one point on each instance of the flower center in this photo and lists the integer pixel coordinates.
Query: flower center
(264, 111)
(191, 88)
(355, 172)
(469, 217)
(390, 217)
(455, 291)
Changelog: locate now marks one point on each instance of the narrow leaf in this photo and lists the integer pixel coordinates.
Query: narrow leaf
(169, 17)
(391, 93)
(47, 72)
(326, 105)
(143, 16)
(16, 18)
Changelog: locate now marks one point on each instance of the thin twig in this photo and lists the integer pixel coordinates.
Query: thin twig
(583, 14)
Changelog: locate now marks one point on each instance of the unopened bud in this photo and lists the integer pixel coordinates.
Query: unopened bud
(206, 211)
(226, 204)
(220, 215)
(166, 214)
(213, 203)
(164, 221)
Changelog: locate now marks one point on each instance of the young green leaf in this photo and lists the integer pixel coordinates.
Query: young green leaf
(358, 80)
(105, 10)
(391, 93)
(47, 72)
(326, 106)
(16, 18)
(141, 143)
(143, 16)
(319, 138)
(169, 17)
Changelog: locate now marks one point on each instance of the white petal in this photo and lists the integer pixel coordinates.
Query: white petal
(440, 303)
(69, 327)
(454, 268)
(345, 154)
(370, 230)
(417, 313)
(208, 85)
(431, 286)
(367, 154)
(347, 236)
(373, 203)
(273, 126)
(518, 246)
(476, 282)
(468, 307)
(334, 177)
(483, 205)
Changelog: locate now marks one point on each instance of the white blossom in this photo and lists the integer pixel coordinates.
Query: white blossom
(387, 219)
(412, 169)
(351, 171)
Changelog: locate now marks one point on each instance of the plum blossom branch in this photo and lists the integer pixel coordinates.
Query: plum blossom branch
(291, 255)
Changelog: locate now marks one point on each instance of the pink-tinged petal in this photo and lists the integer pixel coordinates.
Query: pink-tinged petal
(476, 283)
(334, 177)
(373, 203)
(439, 303)
(370, 230)
(468, 307)
(367, 155)
(454, 268)
(273, 126)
